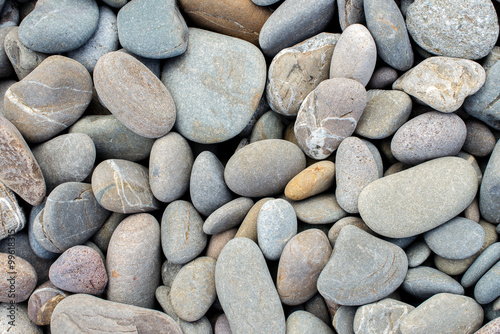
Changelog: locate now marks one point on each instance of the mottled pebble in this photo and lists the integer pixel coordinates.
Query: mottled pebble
(12, 218)
(384, 316)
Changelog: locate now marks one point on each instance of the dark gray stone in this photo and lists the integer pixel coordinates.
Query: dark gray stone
(10, 15)
(103, 235)
(382, 77)
(424, 282)
(6, 69)
(350, 12)
(269, 126)
(480, 141)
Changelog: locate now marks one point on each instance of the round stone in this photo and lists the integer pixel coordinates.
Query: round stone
(480, 141)
(423, 282)
(313, 180)
(384, 316)
(17, 279)
(382, 77)
(227, 216)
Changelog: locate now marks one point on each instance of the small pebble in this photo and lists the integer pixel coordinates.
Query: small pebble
(417, 253)
(313, 180)
(42, 303)
(423, 282)
(17, 279)
(227, 216)
(384, 316)
(320, 209)
(304, 322)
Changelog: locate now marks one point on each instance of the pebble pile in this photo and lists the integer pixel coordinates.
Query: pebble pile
(249, 166)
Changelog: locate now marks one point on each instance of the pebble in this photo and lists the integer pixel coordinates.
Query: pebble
(382, 77)
(22, 323)
(481, 265)
(328, 115)
(480, 141)
(423, 282)
(302, 260)
(50, 99)
(296, 71)
(472, 212)
(350, 12)
(417, 253)
(103, 235)
(384, 316)
(79, 269)
(489, 194)
(334, 231)
(343, 319)
(152, 29)
(17, 279)
(152, 112)
(248, 228)
(321, 209)
(168, 272)
(42, 302)
(115, 3)
(201, 326)
(317, 306)
(362, 269)
(355, 55)
(389, 213)
(218, 241)
(12, 215)
(36, 216)
(224, 103)
(313, 180)
(487, 288)
(162, 294)
(491, 327)
(182, 236)
(227, 216)
(442, 83)
(304, 322)
(263, 168)
(454, 29)
(269, 126)
(261, 109)
(222, 325)
(4, 86)
(133, 261)
(193, 289)
(154, 65)
(6, 69)
(246, 290)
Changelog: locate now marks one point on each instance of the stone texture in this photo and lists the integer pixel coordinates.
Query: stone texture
(489, 257)
(305, 322)
(384, 316)
(488, 286)
(12, 218)
(227, 216)
(42, 302)
(269, 126)
(248, 228)
(218, 241)
(168, 272)
(382, 77)
(320, 209)
(36, 216)
(313, 180)
(423, 282)
(417, 253)
(334, 231)
(350, 12)
(489, 194)
(22, 323)
(480, 141)
(17, 279)
(491, 327)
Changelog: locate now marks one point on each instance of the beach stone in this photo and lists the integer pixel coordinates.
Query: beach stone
(396, 168)
(356, 168)
(201, 326)
(317, 306)
(328, 115)
(36, 216)
(79, 269)
(400, 242)
(133, 261)
(350, 12)
(276, 225)
(456, 239)
(56, 26)
(423, 282)
(320, 209)
(305, 322)
(17, 279)
(489, 194)
(4, 86)
(193, 289)
(355, 55)
(103, 235)
(248, 228)
(6, 69)
(449, 33)
(442, 83)
(162, 294)
(343, 319)
(313, 180)
(152, 29)
(261, 109)
(123, 186)
(428, 136)
(228, 76)
(182, 236)
(48, 100)
(218, 241)
(473, 162)
(246, 290)
(115, 3)
(227, 216)
(17, 320)
(168, 272)
(152, 112)
(269, 126)
(480, 141)
(385, 112)
(112, 139)
(472, 211)
(104, 40)
(387, 26)
(294, 21)
(417, 253)
(300, 264)
(444, 312)
(382, 77)
(487, 288)
(12, 218)
(489, 257)
(263, 168)
(389, 213)
(154, 65)
(84, 311)
(222, 325)
(362, 269)
(296, 71)
(384, 316)
(42, 302)
(491, 327)
(65, 158)
(334, 231)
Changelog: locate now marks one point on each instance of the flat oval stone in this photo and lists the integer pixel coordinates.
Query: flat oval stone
(417, 253)
(301, 262)
(293, 22)
(400, 205)
(48, 100)
(313, 180)
(133, 261)
(384, 316)
(442, 83)
(56, 26)
(456, 239)
(480, 141)
(295, 72)
(84, 311)
(17, 279)
(305, 322)
(152, 29)
(489, 257)
(12, 215)
(362, 269)
(488, 287)
(438, 27)
(43, 301)
(193, 289)
(444, 312)
(170, 167)
(199, 80)
(263, 168)
(355, 55)
(112, 139)
(182, 236)
(320, 209)
(423, 282)
(123, 186)
(489, 193)
(151, 113)
(22, 322)
(269, 126)
(328, 115)
(246, 290)
(79, 269)
(65, 158)
(227, 216)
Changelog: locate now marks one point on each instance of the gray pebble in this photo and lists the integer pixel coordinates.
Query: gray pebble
(488, 287)
(489, 193)
(202, 326)
(384, 316)
(227, 216)
(350, 12)
(269, 126)
(334, 231)
(423, 282)
(481, 265)
(382, 77)
(103, 235)
(115, 3)
(162, 295)
(10, 15)
(6, 69)
(12, 215)
(35, 216)
(168, 272)
(343, 320)
(154, 65)
(4, 86)
(320, 209)
(480, 141)
(304, 322)
(317, 306)
(417, 253)
(222, 325)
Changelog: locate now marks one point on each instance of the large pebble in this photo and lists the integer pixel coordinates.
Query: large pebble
(17, 278)
(227, 216)
(489, 193)
(313, 180)
(319, 209)
(43, 301)
(488, 287)
(423, 282)
(16, 320)
(304, 322)
(384, 316)
(362, 269)
(12, 217)
(401, 205)
(481, 265)
(246, 290)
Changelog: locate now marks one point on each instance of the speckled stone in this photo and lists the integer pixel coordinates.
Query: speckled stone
(389, 213)
(423, 282)
(442, 83)
(263, 168)
(362, 269)
(304, 322)
(227, 216)
(296, 71)
(218, 241)
(154, 65)
(313, 180)
(17, 278)
(489, 194)
(417, 253)
(350, 12)
(199, 80)
(384, 316)
(454, 29)
(133, 261)
(182, 235)
(328, 115)
(12, 218)
(480, 141)
(193, 290)
(382, 77)
(334, 231)
(481, 265)
(343, 319)
(162, 294)
(51, 98)
(152, 112)
(319, 209)
(123, 186)
(42, 302)
(491, 327)
(18, 314)
(246, 290)
(248, 228)
(269, 126)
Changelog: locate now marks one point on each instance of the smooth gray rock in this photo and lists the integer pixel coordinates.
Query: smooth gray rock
(319, 209)
(417, 253)
(384, 316)
(343, 319)
(304, 322)
(481, 265)
(162, 295)
(103, 235)
(489, 193)
(488, 287)
(382, 77)
(334, 231)
(227, 216)
(6, 69)
(168, 272)
(269, 126)
(480, 141)
(202, 326)
(423, 282)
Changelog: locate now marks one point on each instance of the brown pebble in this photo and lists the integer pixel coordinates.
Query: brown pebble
(311, 181)
(43, 301)
(248, 228)
(17, 278)
(218, 241)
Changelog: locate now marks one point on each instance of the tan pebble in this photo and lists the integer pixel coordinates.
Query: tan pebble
(218, 241)
(248, 228)
(311, 181)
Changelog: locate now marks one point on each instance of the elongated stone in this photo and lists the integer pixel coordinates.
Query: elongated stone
(319, 209)
(313, 180)
(12, 218)
(489, 194)
(481, 265)
(424, 282)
